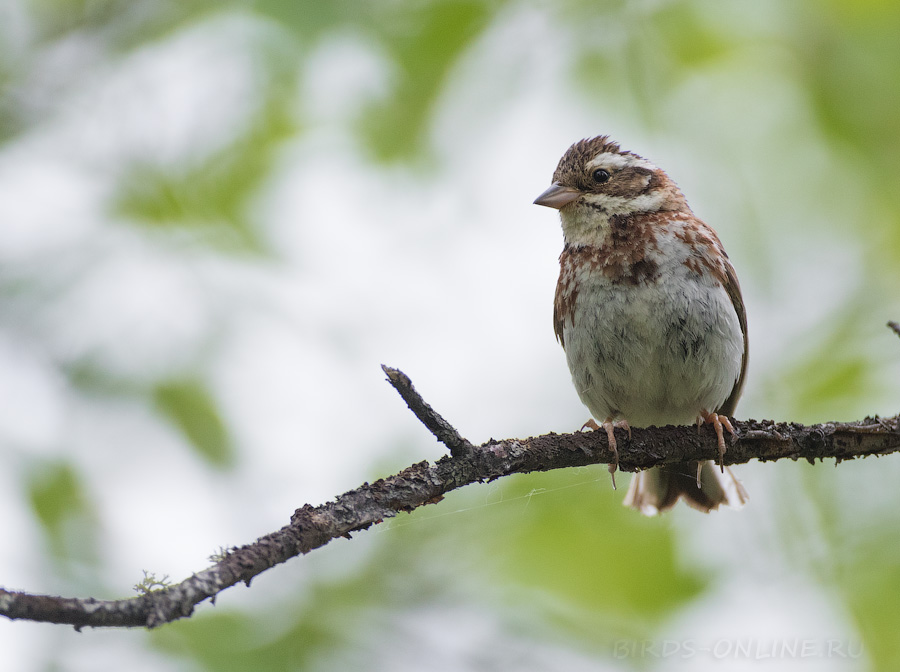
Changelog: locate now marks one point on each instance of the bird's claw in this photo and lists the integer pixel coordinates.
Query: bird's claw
(610, 425)
(719, 423)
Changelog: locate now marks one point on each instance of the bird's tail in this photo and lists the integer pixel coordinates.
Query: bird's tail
(653, 491)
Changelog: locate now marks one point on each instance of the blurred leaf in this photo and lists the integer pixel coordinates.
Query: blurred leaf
(310, 19)
(691, 41)
(852, 547)
(887, 247)
(830, 391)
(581, 562)
(831, 375)
(426, 43)
(211, 200)
(191, 408)
(124, 23)
(91, 378)
(854, 91)
(851, 72)
(425, 40)
(186, 403)
(291, 635)
(560, 543)
(59, 17)
(588, 550)
(233, 641)
(59, 501)
(865, 586)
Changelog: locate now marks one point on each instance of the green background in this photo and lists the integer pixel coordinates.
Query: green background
(218, 219)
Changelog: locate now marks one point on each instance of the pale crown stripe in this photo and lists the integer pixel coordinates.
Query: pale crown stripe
(615, 160)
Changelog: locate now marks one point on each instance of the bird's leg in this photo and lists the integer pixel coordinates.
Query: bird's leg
(718, 422)
(610, 425)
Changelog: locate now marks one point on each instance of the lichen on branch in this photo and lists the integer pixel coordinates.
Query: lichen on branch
(423, 483)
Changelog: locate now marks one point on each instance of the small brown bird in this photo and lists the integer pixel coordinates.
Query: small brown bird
(649, 312)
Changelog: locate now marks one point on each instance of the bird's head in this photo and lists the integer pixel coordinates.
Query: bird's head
(596, 180)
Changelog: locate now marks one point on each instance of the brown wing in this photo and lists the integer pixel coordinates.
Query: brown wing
(734, 292)
(558, 319)
(566, 292)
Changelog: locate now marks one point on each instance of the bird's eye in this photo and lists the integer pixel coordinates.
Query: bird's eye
(601, 176)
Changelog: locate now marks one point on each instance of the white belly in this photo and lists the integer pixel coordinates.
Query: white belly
(653, 354)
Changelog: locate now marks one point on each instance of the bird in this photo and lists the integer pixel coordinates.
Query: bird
(649, 312)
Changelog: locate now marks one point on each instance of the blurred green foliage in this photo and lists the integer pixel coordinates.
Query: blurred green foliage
(425, 43)
(423, 40)
(562, 546)
(555, 544)
(66, 515)
(186, 403)
(323, 621)
(558, 543)
(189, 405)
(212, 200)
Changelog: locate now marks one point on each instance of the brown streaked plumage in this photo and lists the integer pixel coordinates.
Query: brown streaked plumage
(649, 311)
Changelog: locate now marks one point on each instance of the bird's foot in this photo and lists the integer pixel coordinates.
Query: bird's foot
(718, 422)
(610, 425)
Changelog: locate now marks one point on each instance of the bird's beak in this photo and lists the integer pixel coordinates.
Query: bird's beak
(557, 196)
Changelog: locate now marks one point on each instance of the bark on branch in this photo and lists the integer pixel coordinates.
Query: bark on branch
(423, 483)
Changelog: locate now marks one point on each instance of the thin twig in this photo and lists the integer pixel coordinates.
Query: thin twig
(894, 326)
(423, 483)
(443, 430)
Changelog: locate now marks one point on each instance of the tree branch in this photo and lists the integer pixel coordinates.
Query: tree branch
(893, 326)
(423, 483)
(443, 430)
